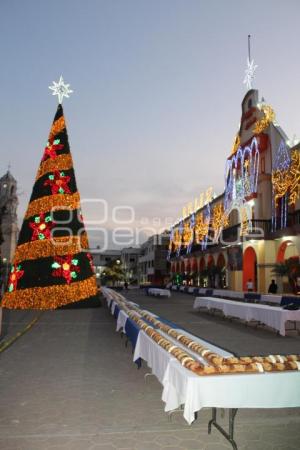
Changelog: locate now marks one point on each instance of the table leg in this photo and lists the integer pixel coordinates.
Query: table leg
(230, 434)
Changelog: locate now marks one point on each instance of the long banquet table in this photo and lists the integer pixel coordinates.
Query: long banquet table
(266, 390)
(274, 317)
(182, 387)
(159, 292)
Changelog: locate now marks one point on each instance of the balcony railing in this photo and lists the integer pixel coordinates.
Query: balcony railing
(260, 229)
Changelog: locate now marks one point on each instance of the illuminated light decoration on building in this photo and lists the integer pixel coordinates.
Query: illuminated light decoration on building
(199, 202)
(179, 237)
(245, 217)
(263, 123)
(285, 183)
(206, 218)
(188, 233)
(241, 175)
(294, 177)
(280, 185)
(192, 227)
(236, 144)
(219, 221)
(171, 243)
(201, 228)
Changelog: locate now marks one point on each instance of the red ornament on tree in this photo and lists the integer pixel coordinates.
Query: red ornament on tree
(15, 274)
(41, 227)
(58, 182)
(65, 267)
(51, 149)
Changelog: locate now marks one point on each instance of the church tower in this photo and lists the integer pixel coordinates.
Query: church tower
(8, 216)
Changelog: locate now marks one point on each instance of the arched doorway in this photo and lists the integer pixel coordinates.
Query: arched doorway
(202, 275)
(210, 261)
(194, 272)
(211, 268)
(249, 268)
(202, 264)
(287, 250)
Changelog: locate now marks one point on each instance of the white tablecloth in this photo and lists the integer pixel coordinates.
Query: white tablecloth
(227, 293)
(183, 387)
(267, 390)
(271, 298)
(122, 318)
(202, 290)
(159, 292)
(272, 316)
(156, 357)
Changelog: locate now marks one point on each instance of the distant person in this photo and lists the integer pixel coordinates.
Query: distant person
(273, 288)
(249, 285)
(126, 285)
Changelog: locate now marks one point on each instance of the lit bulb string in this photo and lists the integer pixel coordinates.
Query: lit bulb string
(180, 229)
(192, 226)
(207, 221)
(170, 243)
(236, 173)
(280, 184)
(241, 178)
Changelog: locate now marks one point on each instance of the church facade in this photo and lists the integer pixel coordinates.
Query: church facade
(8, 217)
(254, 225)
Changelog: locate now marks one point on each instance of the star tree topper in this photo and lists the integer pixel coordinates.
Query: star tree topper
(249, 73)
(61, 89)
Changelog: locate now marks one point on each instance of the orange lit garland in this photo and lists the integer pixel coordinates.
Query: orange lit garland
(61, 162)
(50, 297)
(51, 247)
(57, 127)
(50, 202)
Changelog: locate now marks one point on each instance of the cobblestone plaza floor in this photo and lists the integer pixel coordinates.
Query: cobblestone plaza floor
(69, 383)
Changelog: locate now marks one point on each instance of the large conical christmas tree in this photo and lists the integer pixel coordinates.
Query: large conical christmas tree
(52, 266)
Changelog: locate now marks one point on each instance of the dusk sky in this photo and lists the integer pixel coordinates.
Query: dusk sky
(158, 86)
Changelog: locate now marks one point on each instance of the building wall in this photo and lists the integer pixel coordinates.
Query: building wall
(263, 239)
